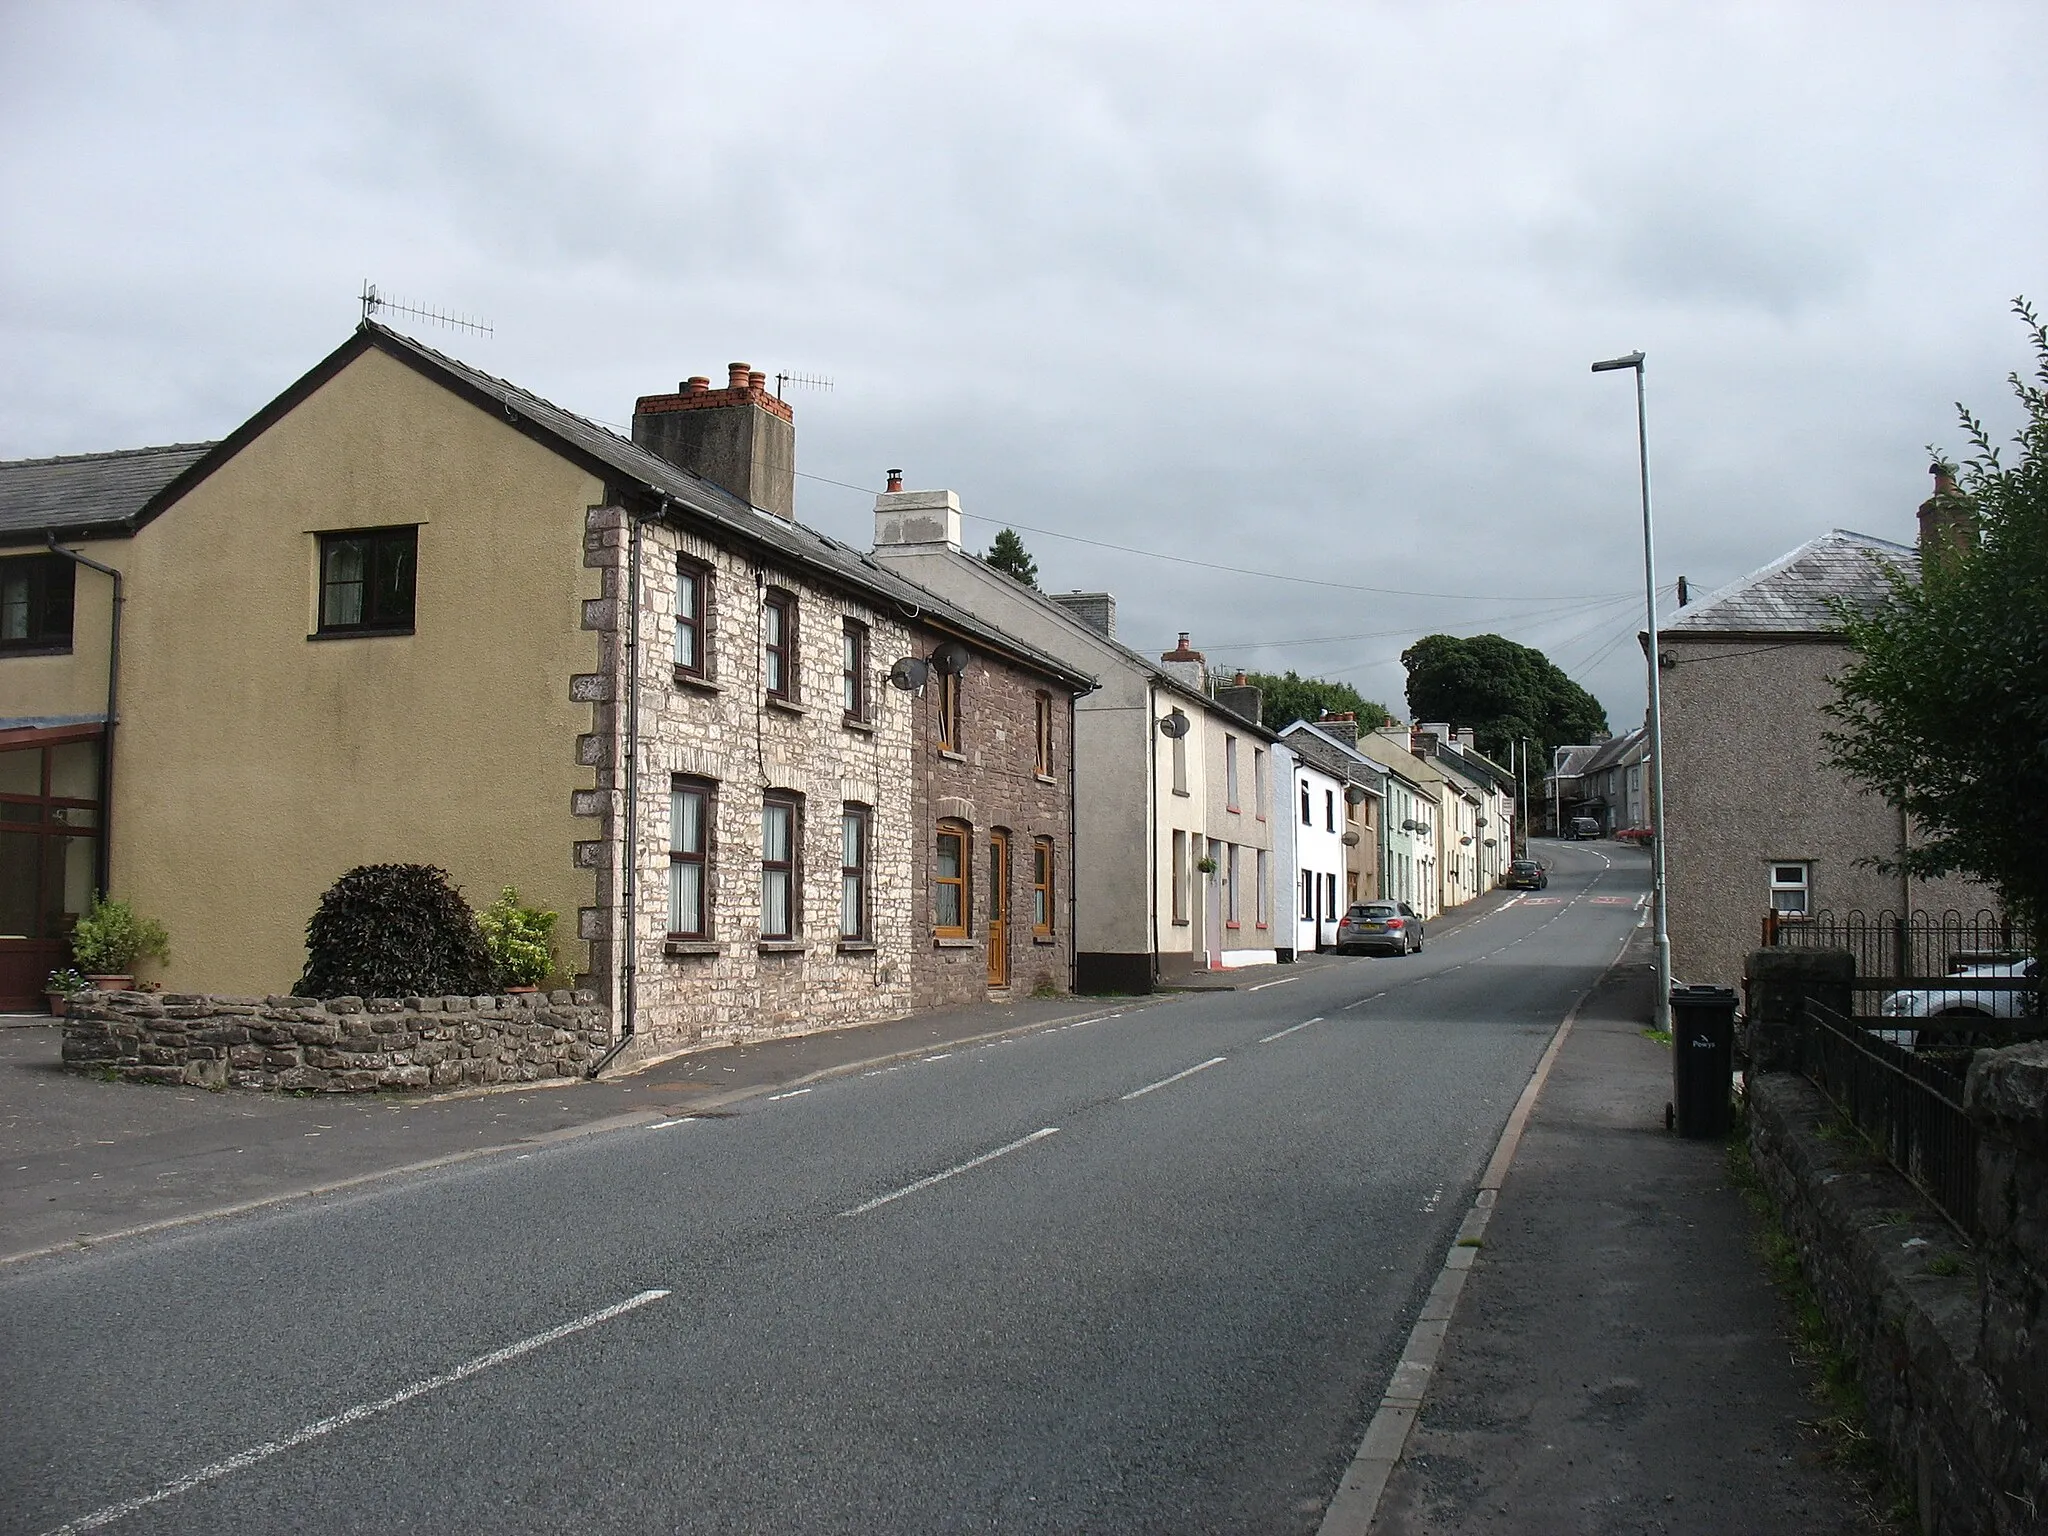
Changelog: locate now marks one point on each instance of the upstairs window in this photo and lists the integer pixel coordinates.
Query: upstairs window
(367, 579)
(36, 594)
(949, 712)
(1259, 783)
(853, 872)
(693, 611)
(1307, 817)
(1791, 889)
(778, 644)
(1329, 810)
(853, 671)
(1043, 736)
(1230, 773)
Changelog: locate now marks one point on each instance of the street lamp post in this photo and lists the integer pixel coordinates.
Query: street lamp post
(1634, 362)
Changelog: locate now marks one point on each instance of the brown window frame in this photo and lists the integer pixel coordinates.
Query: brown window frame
(696, 622)
(376, 542)
(48, 603)
(852, 813)
(790, 868)
(1043, 872)
(697, 858)
(1042, 739)
(963, 881)
(853, 671)
(782, 602)
(57, 823)
(948, 715)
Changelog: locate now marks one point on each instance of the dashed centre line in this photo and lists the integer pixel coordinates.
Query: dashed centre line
(1282, 1034)
(1283, 981)
(1164, 1082)
(953, 1172)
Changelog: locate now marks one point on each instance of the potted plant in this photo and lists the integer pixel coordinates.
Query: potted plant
(519, 939)
(110, 938)
(1206, 865)
(62, 985)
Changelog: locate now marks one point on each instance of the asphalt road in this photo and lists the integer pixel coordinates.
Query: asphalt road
(1144, 1273)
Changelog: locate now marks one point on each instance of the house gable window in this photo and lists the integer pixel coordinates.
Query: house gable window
(36, 596)
(780, 816)
(853, 671)
(689, 858)
(693, 620)
(1041, 887)
(950, 873)
(853, 872)
(367, 580)
(1792, 889)
(778, 645)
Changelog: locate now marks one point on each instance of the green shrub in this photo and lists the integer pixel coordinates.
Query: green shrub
(519, 938)
(110, 938)
(393, 930)
(67, 981)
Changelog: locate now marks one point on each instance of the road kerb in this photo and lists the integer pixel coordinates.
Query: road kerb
(1357, 1501)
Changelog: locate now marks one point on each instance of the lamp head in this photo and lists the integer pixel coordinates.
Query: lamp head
(1633, 360)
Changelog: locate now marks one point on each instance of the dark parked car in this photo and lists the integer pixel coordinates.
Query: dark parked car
(1526, 875)
(1374, 926)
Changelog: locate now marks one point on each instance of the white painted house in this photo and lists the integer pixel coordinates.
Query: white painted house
(1319, 825)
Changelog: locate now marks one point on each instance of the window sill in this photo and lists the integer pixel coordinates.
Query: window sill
(1233, 810)
(1232, 927)
(951, 756)
(1180, 922)
(1262, 927)
(781, 946)
(358, 634)
(956, 943)
(696, 680)
(676, 948)
(787, 706)
(1183, 794)
(1045, 941)
(863, 727)
(1046, 778)
(40, 650)
(857, 946)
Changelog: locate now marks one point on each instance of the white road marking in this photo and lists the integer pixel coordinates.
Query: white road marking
(972, 1162)
(1265, 984)
(1139, 1093)
(663, 1125)
(327, 1426)
(794, 1093)
(1290, 1029)
(942, 1055)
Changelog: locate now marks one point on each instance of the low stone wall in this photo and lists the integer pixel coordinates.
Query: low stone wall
(340, 1045)
(1949, 1340)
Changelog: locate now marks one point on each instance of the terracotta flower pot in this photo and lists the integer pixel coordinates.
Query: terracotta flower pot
(56, 1001)
(112, 983)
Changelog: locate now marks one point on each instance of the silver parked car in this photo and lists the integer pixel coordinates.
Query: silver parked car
(1957, 999)
(1376, 927)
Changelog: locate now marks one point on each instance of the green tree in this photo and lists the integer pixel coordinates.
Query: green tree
(1502, 691)
(1009, 556)
(1945, 708)
(1293, 697)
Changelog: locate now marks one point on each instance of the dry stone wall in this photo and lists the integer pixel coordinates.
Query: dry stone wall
(340, 1045)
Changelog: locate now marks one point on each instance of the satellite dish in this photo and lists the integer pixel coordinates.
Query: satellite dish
(951, 658)
(1354, 795)
(1175, 725)
(909, 673)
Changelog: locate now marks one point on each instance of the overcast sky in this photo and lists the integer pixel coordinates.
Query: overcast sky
(1280, 288)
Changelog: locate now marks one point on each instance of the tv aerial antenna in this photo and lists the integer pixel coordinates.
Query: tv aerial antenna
(373, 302)
(806, 380)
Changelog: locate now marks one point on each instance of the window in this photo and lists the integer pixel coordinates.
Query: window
(1041, 888)
(1308, 896)
(1180, 875)
(949, 881)
(366, 581)
(1043, 737)
(1330, 893)
(853, 670)
(1233, 912)
(1180, 763)
(1259, 783)
(853, 872)
(778, 645)
(1259, 895)
(1329, 810)
(1307, 819)
(778, 866)
(1791, 889)
(693, 612)
(689, 858)
(1230, 773)
(35, 602)
(949, 712)
(49, 837)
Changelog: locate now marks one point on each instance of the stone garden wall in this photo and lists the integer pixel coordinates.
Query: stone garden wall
(340, 1045)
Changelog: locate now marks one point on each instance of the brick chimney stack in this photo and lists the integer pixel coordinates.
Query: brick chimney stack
(1948, 519)
(740, 438)
(1187, 667)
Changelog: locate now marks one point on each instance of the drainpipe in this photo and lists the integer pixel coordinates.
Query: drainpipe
(630, 849)
(1073, 838)
(103, 862)
(1152, 818)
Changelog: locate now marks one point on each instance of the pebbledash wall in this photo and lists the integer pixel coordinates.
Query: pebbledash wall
(341, 1045)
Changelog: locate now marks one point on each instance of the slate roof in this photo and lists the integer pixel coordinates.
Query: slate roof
(1631, 746)
(1330, 754)
(86, 492)
(1792, 594)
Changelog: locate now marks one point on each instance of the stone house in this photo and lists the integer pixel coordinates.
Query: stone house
(1757, 819)
(1171, 775)
(393, 617)
(1611, 785)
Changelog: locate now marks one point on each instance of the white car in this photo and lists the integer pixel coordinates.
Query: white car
(1960, 1001)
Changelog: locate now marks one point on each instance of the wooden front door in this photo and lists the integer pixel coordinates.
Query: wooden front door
(999, 909)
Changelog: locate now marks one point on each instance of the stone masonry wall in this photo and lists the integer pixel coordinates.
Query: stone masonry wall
(1948, 1340)
(340, 1045)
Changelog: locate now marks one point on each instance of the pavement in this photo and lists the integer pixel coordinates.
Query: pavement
(1617, 1360)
